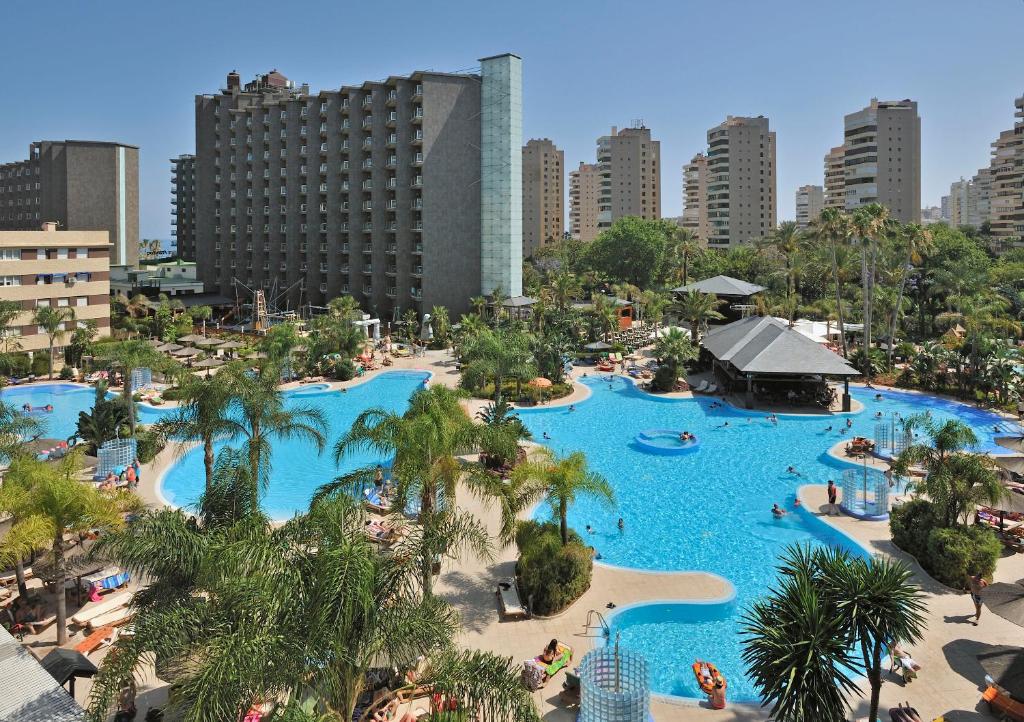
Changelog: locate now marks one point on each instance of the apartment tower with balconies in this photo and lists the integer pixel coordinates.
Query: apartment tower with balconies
(1006, 175)
(584, 189)
(629, 162)
(543, 194)
(404, 193)
(835, 179)
(810, 200)
(695, 197)
(882, 158)
(741, 188)
(82, 185)
(183, 205)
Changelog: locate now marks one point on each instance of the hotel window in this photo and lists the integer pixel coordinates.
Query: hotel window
(43, 303)
(81, 301)
(41, 254)
(10, 280)
(81, 253)
(63, 302)
(10, 254)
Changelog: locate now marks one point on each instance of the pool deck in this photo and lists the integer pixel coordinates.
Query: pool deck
(949, 684)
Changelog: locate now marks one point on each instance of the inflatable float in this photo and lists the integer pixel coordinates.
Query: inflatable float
(666, 441)
(705, 683)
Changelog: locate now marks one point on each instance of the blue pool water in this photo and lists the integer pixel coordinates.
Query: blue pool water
(297, 469)
(67, 400)
(708, 511)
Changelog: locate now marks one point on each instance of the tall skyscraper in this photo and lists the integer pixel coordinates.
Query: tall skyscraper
(741, 194)
(835, 178)
(695, 196)
(810, 200)
(882, 158)
(1006, 173)
(584, 188)
(959, 202)
(630, 165)
(183, 205)
(543, 194)
(82, 185)
(405, 192)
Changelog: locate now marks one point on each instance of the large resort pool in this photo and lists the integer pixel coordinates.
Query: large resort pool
(703, 511)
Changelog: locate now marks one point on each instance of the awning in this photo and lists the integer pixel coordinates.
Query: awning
(721, 286)
(766, 346)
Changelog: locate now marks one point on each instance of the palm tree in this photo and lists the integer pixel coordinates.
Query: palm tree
(833, 228)
(479, 305)
(9, 333)
(957, 480)
(131, 355)
(201, 417)
(558, 480)
(258, 415)
(683, 243)
(697, 309)
(786, 240)
(799, 642)
(565, 288)
(442, 324)
(47, 500)
(344, 307)
(15, 428)
(317, 600)
(424, 443)
(869, 223)
(52, 320)
(918, 241)
(497, 354)
(606, 315)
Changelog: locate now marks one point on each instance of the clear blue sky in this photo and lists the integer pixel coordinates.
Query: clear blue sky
(128, 71)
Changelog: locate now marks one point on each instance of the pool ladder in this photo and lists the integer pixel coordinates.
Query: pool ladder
(605, 629)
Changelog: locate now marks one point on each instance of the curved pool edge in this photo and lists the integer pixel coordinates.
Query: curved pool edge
(158, 484)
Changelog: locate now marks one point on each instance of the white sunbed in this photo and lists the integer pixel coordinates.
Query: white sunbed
(90, 612)
(114, 618)
(711, 389)
(511, 605)
(703, 386)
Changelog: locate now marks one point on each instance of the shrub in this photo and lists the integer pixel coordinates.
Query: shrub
(342, 370)
(551, 576)
(41, 364)
(956, 552)
(15, 364)
(149, 442)
(665, 378)
(172, 394)
(65, 373)
(910, 524)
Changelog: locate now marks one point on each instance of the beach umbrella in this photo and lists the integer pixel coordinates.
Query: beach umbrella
(169, 347)
(207, 342)
(229, 345)
(598, 346)
(186, 352)
(1005, 665)
(540, 383)
(209, 363)
(192, 338)
(155, 342)
(1013, 443)
(1006, 600)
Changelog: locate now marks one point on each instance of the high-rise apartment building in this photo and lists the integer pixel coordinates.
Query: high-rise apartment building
(543, 194)
(882, 158)
(82, 185)
(695, 195)
(1006, 173)
(981, 184)
(931, 214)
(584, 189)
(810, 200)
(183, 205)
(835, 178)
(62, 269)
(959, 202)
(741, 194)
(630, 165)
(405, 192)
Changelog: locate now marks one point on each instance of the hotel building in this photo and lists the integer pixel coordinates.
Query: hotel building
(810, 200)
(629, 163)
(695, 193)
(183, 205)
(543, 194)
(584, 189)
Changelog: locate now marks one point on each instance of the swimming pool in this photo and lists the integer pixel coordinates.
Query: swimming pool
(297, 469)
(709, 511)
(66, 399)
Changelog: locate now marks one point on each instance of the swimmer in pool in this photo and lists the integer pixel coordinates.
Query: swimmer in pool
(622, 524)
(724, 425)
(546, 435)
(778, 512)
(572, 407)
(828, 428)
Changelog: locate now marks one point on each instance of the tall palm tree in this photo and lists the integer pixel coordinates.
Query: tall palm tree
(957, 479)
(320, 604)
(479, 305)
(918, 241)
(799, 641)
(424, 443)
(201, 417)
(833, 228)
(131, 355)
(258, 414)
(565, 288)
(559, 481)
(606, 315)
(53, 321)
(786, 241)
(697, 309)
(683, 243)
(344, 307)
(497, 354)
(15, 428)
(869, 224)
(442, 324)
(47, 500)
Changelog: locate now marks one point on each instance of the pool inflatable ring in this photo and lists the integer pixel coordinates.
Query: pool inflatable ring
(703, 682)
(665, 441)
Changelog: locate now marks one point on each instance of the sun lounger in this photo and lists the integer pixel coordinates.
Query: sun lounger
(114, 619)
(40, 624)
(711, 389)
(101, 637)
(702, 387)
(91, 611)
(8, 579)
(374, 502)
(511, 605)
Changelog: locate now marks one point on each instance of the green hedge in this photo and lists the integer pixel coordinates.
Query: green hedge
(41, 363)
(149, 443)
(947, 554)
(551, 576)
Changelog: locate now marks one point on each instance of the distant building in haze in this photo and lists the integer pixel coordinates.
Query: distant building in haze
(810, 200)
(543, 194)
(183, 205)
(695, 197)
(584, 189)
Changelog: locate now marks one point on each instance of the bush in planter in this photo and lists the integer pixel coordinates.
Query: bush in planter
(910, 524)
(65, 373)
(551, 576)
(149, 443)
(41, 364)
(665, 378)
(342, 370)
(958, 551)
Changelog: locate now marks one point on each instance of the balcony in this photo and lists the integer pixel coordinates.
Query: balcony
(368, 185)
(391, 271)
(367, 228)
(368, 121)
(368, 144)
(416, 293)
(391, 249)
(392, 98)
(417, 204)
(391, 292)
(344, 269)
(367, 290)
(344, 105)
(344, 229)
(417, 115)
(392, 140)
(392, 119)
(367, 164)
(417, 248)
(367, 205)
(417, 182)
(392, 162)
(391, 227)
(391, 205)
(367, 270)
(417, 93)
(417, 226)
(417, 160)
(368, 100)
(417, 137)
(391, 183)
(417, 271)
(344, 246)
